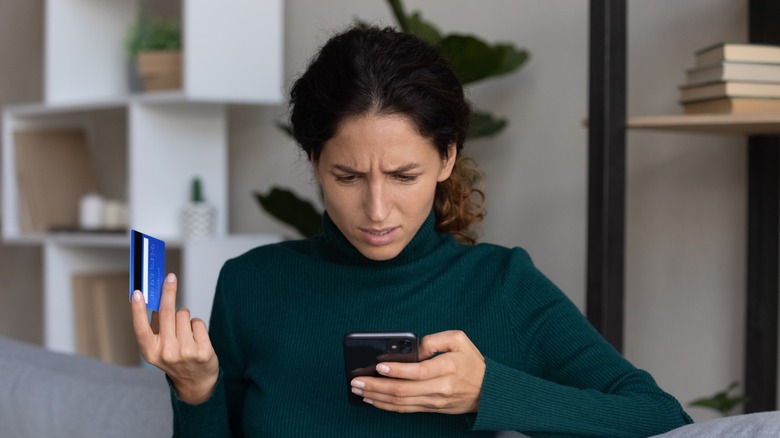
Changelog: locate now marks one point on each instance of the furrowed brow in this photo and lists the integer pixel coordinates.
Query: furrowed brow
(347, 169)
(404, 168)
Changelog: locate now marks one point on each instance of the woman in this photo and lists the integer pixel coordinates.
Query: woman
(382, 119)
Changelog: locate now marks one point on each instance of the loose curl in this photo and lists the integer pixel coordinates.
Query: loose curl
(459, 203)
(369, 70)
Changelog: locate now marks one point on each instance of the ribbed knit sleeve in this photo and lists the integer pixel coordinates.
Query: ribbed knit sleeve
(202, 420)
(218, 416)
(583, 386)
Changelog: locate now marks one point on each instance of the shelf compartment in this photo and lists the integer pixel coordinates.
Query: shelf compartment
(145, 153)
(105, 131)
(232, 50)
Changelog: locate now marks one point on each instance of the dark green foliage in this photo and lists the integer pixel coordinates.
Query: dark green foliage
(484, 125)
(721, 401)
(285, 206)
(152, 33)
(196, 194)
(471, 58)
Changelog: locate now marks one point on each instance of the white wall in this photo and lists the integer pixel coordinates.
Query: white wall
(686, 193)
(686, 210)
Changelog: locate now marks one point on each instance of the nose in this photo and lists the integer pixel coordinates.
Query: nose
(376, 202)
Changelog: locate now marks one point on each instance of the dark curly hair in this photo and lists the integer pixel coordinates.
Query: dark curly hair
(381, 71)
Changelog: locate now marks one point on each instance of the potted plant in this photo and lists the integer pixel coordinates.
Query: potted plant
(153, 46)
(198, 217)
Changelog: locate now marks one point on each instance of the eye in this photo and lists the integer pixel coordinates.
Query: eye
(347, 179)
(405, 178)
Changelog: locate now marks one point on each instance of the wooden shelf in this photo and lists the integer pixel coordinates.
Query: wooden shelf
(759, 123)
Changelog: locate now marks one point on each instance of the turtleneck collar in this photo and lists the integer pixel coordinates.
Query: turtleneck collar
(336, 247)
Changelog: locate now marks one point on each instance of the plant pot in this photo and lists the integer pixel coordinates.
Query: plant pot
(160, 70)
(198, 220)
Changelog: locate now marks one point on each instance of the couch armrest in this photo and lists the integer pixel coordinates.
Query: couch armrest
(43, 393)
(757, 425)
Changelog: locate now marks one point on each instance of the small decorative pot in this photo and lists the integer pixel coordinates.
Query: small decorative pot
(198, 220)
(160, 70)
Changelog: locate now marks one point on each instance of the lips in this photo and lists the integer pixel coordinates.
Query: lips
(379, 237)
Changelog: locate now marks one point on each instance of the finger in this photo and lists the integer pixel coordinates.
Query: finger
(168, 307)
(141, 327)
(183, 327)
(396, 408)
(443, 342)
(425, 370)
(405, 395)
(381, 388)
(200, 332)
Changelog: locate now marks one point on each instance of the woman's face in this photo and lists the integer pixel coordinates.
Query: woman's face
(378, 178)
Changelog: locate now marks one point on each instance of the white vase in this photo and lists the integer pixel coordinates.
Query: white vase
(198, 220)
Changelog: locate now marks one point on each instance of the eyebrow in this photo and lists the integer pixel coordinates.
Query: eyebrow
(402, 169)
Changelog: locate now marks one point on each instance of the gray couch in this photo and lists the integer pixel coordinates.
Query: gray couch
(46, 394)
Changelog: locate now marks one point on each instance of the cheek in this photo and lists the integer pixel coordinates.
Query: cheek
(336, 200)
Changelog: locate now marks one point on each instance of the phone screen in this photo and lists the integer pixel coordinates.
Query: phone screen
(363, 350)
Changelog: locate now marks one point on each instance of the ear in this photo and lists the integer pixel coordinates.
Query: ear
(449, 163)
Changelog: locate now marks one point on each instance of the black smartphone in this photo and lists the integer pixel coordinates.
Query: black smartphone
(363, 350)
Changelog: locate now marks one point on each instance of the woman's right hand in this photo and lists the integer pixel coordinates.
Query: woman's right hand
(177, 345)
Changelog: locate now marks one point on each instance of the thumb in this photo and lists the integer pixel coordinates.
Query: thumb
(442, 342)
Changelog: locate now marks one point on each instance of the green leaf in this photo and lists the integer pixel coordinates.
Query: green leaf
(414, 24)
(425, 30)
(284, 127)
(473, 59)
(482, 124)
(153, 33)
(398, 12)
(285, 206)
(510, 58)
(721, 401)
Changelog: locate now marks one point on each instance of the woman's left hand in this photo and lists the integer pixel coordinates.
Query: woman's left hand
(450, 382)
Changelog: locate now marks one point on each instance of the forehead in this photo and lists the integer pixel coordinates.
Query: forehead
(373, 136)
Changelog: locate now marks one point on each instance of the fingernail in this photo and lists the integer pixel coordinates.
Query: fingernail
(368, 400)
(357, 391)
(382, 368)
(137, 296)
(171, 278)
(358, 384)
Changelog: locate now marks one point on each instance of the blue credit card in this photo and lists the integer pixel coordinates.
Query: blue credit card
(147, 267)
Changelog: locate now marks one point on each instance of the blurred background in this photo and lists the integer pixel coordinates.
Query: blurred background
(686, 193)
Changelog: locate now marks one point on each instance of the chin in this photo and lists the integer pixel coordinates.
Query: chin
(380, 254)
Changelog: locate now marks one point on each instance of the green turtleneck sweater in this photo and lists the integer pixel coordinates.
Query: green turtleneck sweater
(280, 312)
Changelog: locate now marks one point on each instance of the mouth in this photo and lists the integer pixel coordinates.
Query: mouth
(378, 232)
(378, 237)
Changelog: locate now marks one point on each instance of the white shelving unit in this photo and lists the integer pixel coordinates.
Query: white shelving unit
(148, 147)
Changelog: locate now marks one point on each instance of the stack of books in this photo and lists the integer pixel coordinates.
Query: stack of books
(733, 78)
